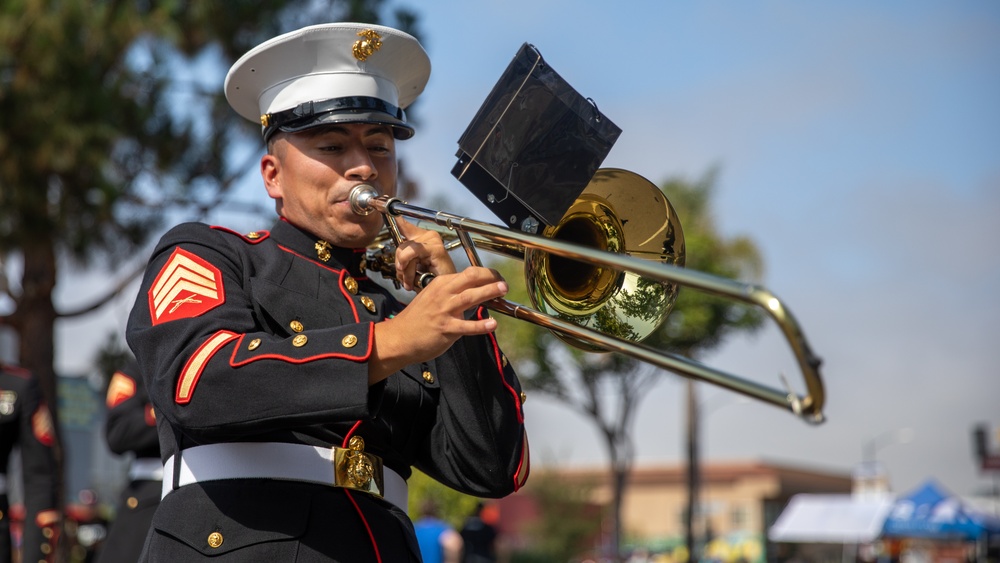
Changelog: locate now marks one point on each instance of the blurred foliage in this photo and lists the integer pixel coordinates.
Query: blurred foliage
(452, 506)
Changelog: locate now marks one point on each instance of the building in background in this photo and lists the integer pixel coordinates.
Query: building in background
(738, 502)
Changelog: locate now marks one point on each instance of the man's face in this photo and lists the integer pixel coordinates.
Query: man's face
(311, 173)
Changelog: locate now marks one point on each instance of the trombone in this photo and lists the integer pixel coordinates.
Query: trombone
(603, 282)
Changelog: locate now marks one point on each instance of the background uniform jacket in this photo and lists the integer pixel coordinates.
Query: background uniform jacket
(131, 430)
(255, 338)
(25, 422)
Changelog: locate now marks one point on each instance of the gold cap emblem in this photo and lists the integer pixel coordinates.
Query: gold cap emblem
(369, 43)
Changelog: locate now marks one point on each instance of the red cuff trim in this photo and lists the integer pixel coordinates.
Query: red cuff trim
(289, 359)
(498, 358)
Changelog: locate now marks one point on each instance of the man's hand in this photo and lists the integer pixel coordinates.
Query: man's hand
(423, 251)
(434, 320)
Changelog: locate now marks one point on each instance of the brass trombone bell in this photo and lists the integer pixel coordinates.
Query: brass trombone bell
(622, 213)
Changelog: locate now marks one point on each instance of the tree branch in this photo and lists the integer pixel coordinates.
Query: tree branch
(104, 299)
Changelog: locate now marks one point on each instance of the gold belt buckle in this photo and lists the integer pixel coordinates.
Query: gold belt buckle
(353, 468)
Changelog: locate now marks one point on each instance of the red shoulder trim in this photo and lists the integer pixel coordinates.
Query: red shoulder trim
(253, 237)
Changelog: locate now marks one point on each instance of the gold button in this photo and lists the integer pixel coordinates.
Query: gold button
(132, 502)
(214, 539)
(300, 341)
(504, 359)
(351, 284)
(368, 303)
(349, 341)
(253, 235)
(524, 397)
(296, 326)
(428, 376)
(254, 344)
(47, 532)
(46, 548)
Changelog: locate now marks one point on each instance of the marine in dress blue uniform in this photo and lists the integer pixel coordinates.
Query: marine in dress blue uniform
(294, 394)
(25, 423)
(130, 429)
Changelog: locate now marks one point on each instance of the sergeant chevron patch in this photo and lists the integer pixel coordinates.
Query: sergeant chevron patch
(187, 286)
(121, 388)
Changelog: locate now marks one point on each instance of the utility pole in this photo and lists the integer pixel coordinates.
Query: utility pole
(693, 469)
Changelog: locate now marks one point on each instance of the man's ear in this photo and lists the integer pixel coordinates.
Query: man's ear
(270, 168)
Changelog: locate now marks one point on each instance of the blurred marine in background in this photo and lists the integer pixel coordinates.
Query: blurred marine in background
(131, 430)
(25, 423)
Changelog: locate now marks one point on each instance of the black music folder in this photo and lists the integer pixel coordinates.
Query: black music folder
(533, 146)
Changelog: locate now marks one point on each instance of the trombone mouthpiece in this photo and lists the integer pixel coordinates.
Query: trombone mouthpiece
(361, 197)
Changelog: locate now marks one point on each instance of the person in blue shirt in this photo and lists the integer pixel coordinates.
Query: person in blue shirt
(439, 542)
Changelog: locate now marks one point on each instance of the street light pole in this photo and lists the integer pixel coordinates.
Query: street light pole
(887, 438)
(870, 479)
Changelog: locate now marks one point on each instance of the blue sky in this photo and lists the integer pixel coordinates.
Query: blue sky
(858, 145)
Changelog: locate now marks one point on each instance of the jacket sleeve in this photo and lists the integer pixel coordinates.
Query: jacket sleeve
(478, 444)
(211, 367)
(37, 443)
(131, 422)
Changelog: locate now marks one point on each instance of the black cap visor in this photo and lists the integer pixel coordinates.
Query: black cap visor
(355, 109)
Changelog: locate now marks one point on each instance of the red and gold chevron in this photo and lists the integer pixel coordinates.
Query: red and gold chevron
(120, 389)
(187, 286)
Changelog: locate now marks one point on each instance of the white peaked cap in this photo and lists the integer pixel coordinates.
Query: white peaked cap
(330, 73)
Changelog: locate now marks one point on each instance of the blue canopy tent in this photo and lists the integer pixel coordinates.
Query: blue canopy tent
(931, 512)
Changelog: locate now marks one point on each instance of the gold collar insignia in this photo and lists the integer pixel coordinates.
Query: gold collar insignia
(323, 250)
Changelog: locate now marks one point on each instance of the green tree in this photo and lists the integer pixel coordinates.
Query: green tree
(607, 388)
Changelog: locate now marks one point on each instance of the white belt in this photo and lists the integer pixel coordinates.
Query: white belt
(145, 469)
(270, 460)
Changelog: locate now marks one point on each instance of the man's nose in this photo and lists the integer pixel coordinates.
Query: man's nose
(360, 165)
